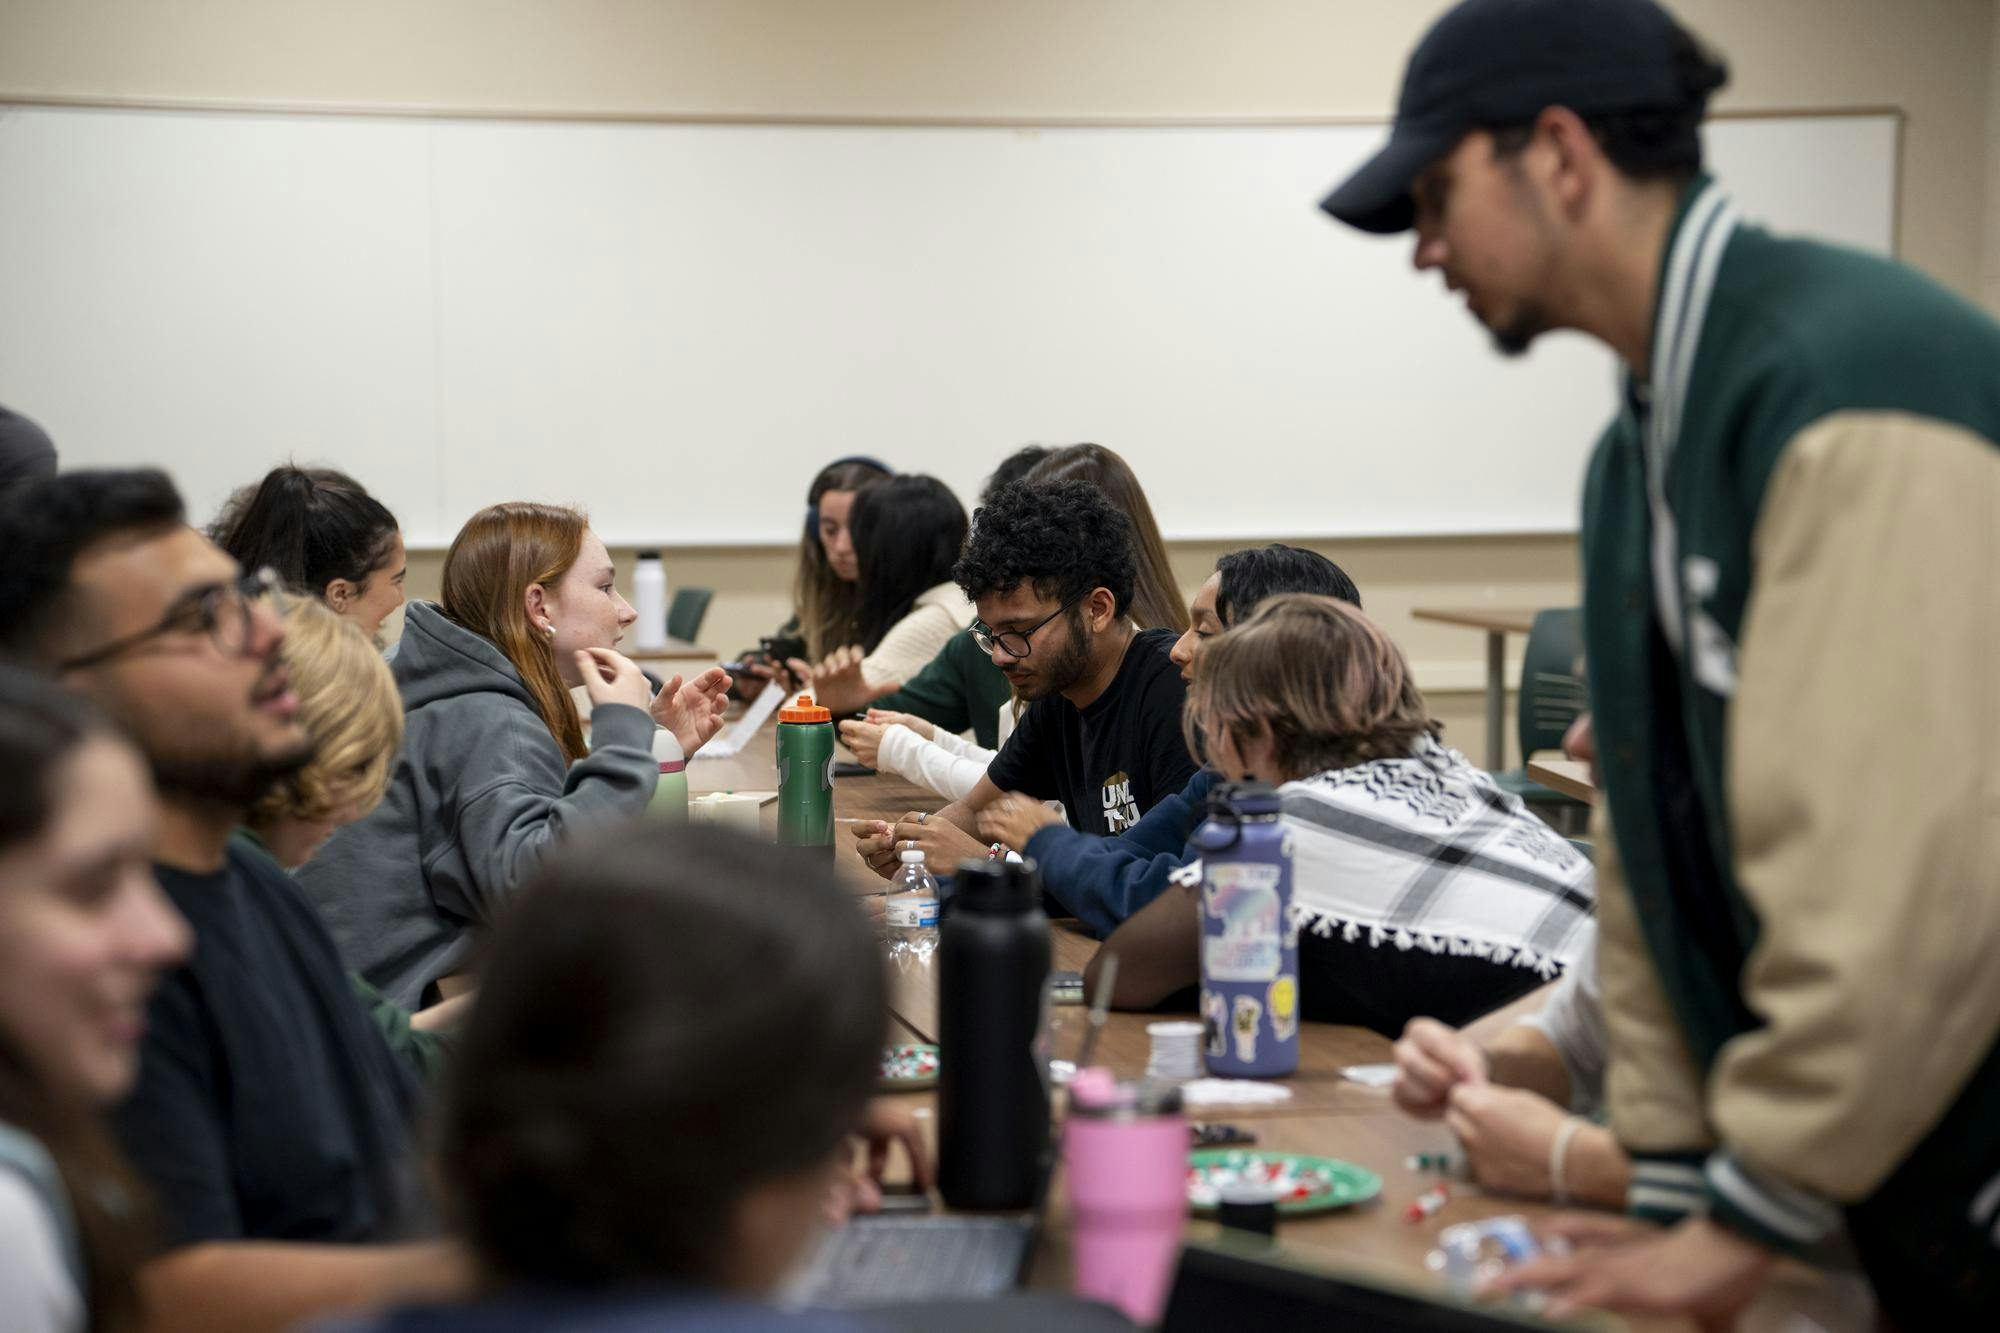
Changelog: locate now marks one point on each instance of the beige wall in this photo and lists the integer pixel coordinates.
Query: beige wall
(1934, 59)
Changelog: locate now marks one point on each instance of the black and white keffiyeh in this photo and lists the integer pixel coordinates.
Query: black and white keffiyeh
(1428, 853)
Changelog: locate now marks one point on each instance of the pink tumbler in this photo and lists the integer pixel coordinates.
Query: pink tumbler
(1125, 1155)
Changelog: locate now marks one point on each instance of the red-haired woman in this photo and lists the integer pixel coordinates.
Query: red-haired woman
(494, 768)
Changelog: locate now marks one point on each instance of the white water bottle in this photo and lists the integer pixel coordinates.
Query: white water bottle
(649, 599)
(912, 911)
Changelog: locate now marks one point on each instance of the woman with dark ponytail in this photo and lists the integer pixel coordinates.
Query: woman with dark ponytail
(84, 935)
(324, 535)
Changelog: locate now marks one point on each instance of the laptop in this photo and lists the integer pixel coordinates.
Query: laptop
(1248, 1283)
(891, 1259)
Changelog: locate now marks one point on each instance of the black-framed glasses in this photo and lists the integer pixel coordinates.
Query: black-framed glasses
(220, 610)
(1016, 643)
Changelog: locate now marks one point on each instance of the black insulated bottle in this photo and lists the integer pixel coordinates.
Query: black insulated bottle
(993, 1091)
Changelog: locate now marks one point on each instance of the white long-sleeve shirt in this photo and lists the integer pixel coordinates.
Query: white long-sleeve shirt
(951, 765)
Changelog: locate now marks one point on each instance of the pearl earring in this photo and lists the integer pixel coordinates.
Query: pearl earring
(548, 629)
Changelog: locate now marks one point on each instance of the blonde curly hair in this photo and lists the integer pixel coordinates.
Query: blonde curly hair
(349, 705)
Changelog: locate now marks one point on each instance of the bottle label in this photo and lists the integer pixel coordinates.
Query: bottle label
(1243, 896)
(912, 913)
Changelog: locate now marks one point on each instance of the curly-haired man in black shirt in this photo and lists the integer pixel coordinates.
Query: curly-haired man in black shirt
(1050, 567)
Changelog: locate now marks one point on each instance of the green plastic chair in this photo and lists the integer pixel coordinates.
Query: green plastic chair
(689, 609)
(1552, 697)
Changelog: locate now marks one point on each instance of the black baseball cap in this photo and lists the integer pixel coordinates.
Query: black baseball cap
(1501, 62)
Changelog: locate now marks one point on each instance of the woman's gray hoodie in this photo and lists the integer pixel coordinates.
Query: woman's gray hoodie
(479, 795)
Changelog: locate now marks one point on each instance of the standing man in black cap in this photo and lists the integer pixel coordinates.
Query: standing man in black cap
(1791, 543)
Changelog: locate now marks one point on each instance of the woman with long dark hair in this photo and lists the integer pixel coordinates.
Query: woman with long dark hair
(495, 770)
(326, 537)
(84, 934)
(907, 535)
(826, 595)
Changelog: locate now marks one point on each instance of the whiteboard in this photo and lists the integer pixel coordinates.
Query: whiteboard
(675, 325)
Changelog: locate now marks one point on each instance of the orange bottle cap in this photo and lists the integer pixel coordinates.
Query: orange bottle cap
(803, 709)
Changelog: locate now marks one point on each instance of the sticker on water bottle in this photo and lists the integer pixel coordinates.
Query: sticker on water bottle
(1243, 1026)
(1215, 1022)
(1284, 1002)
(1244, 897)
(912, 914)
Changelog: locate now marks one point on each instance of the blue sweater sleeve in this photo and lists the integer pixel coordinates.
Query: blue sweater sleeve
(1106, 880)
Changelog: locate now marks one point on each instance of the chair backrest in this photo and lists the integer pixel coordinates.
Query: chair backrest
(689, 609)
(1552, 691)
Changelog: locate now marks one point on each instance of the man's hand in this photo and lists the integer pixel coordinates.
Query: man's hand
(1431, 1060)
(943, 843)
(1014, 818)
(1506, 1134)
(693, 711)
(1696, 1268)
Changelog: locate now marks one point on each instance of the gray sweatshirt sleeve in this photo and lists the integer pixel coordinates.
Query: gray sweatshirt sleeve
(508, 824)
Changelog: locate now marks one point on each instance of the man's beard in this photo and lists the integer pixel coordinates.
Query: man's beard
(234, 781)
(1519, 334)
(1064, 669)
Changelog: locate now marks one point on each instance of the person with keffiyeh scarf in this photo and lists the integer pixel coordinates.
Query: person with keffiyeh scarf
(1419, 887)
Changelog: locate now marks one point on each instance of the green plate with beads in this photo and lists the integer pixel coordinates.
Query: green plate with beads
(908, 1068)
(1303, 1184)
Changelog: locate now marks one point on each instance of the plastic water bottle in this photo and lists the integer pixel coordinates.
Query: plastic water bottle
(670, 798)
(649, 599)
(805, 775)
(1249, 951)
(912, 916)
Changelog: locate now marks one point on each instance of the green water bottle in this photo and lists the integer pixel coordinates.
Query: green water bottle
(805, 775)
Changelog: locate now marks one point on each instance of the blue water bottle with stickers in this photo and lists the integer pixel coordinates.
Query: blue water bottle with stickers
(1249, 948)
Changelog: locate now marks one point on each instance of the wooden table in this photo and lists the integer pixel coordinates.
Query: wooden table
(1498, 622)
(1568, 776)
(1327, 1115)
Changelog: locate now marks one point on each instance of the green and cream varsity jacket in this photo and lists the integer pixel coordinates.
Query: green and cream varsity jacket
(1792, 609)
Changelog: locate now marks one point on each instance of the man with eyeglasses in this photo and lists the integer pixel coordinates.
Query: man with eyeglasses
(270, 1121)
(1050, 568)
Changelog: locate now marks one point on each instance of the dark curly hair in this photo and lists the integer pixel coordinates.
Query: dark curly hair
(1062, 537)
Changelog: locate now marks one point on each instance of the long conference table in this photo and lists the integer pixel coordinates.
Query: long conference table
(1327, 1115)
